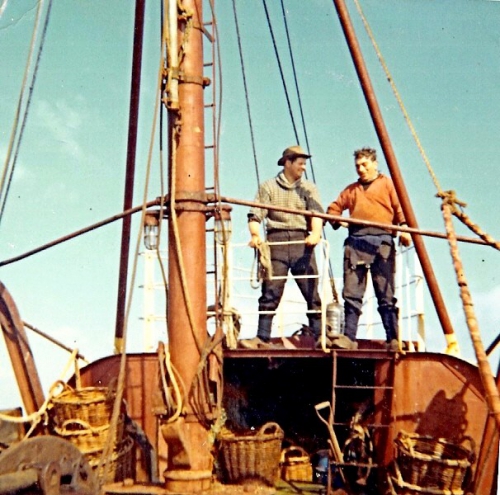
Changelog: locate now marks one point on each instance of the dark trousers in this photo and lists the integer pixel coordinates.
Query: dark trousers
(382, 268)
(299, 259)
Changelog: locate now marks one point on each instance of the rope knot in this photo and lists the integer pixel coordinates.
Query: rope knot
(450, 198)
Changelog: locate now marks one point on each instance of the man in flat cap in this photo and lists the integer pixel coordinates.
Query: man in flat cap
(295, 236)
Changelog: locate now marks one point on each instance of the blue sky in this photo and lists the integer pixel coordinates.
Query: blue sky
(443, 57)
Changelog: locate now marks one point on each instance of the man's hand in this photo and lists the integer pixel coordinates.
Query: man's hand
(255, 241)
(312, 239)
(405, 239)
(336, 225)
(254, 228)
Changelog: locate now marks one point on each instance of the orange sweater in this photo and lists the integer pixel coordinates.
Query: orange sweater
(376, 203)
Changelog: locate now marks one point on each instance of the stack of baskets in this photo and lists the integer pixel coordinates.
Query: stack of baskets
(253, 457)
(428, 465)
(83, 417)
(295, 465)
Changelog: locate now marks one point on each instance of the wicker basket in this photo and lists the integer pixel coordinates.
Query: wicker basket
(253, 457)
(295, 465)
(86, 437)
(119, 467)
(398, 486)
(435, 463)
(93, 405)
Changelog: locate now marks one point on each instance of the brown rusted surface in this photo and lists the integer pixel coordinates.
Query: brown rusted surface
(436, 395)
(426, 393)
(141, 388)
(487, 449)
(189, 458)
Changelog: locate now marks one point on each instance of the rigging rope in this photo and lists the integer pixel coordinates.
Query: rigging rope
(164, 42)
(453, 202)
(299, 99)
(3, 7)
(36, 417)
(245, 87)
(5, 186)
(306, 137)
(397, 96)
(455, 208)
(105, 458)
(490, 388)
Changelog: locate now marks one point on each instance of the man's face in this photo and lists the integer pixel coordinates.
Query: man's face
(294, 169)
(366, 168)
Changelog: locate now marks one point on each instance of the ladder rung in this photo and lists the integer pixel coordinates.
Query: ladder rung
(365, 387)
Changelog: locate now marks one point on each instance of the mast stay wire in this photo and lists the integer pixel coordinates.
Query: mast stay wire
(280, 67)
(299, 99)
(11, 164)
(295, 80)
(245, 87)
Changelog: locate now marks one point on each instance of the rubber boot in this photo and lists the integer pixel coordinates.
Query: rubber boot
(351, 318)
(390, 320)
(315, 326)
(264, 328)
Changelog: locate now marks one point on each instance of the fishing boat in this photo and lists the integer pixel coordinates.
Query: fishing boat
(193, 411)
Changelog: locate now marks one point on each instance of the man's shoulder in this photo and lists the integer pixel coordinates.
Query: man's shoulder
(269, 182)
(385, 181)
(351, 186)
(307, 184)
(384, 178)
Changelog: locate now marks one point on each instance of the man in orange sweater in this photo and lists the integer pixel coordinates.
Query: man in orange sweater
(372, 197)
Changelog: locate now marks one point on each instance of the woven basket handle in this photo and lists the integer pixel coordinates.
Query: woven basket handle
(80, 422)
(292, 452)
(269, 429)
(59, 383)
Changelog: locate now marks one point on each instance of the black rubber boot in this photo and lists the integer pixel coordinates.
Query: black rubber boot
(264, 328)
(315, 326)
(351, 318)
(389, 316)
